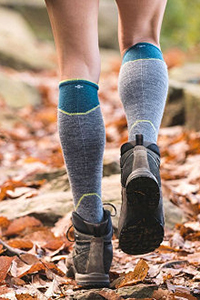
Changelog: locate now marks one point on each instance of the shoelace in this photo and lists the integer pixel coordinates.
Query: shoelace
(67, 234)
(112, 205)
(104, 204)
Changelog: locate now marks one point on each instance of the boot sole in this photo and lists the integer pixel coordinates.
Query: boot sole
(88, 280)
(92, 280)
(140, 238)
(145, 234)
(142, 191)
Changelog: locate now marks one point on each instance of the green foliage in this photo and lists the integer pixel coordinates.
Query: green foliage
(181, 25)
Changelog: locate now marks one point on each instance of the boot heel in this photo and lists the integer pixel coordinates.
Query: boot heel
(142, 190)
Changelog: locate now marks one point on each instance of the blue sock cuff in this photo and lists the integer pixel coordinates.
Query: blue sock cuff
(142, 51)
(78, 96)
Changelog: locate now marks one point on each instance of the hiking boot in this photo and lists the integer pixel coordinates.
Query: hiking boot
(141, 221)
(92, 255)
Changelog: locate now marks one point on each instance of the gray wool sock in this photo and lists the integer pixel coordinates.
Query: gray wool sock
(143, 86)
(82, 136)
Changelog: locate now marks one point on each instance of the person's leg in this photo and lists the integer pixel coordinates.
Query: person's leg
(80, 122)
(82, 135)
(143, 85)
(75, 29)
(143, 79)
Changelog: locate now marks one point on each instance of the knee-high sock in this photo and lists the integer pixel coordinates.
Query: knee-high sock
(143, 86)
(82, 136)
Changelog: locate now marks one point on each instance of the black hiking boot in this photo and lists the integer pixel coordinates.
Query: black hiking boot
(92, 255)
(141, 222)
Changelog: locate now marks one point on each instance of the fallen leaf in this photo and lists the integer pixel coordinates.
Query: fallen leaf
(20, 244)
(4, 290)
(182, 296)
(5, 263)
(17, 281)
(42, 266)
(4, 222)
(10, 185)
(1, 249)
(19, 225)
(139, 274)
(25, 297)
(54, 244)
(29, 258)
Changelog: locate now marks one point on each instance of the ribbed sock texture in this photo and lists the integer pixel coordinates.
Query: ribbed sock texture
(143, 86)
(82, 136)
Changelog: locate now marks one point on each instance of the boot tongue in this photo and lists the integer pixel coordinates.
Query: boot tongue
(89, 228)
(139, 141)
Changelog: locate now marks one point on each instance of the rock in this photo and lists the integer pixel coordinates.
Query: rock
(111, 163)
(16, 93)
(183, 104)
(51, 205)
(86, 295)
(48, 207)
(50, 175)
(192, 106)
(183, 100)
(22, 2)
(189, 72)
(174, 113)
(137, 291)
(8, 120)
(173, 214)
(185, 89)
(108, 25)
(36, 15)
(19, 48)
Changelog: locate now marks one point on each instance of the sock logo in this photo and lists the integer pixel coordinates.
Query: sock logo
(78, 86)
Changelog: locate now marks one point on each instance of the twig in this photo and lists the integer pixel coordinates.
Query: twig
(168, 264)
(12, 250)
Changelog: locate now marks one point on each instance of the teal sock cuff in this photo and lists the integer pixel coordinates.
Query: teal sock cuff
(142, 51)
(78, 96)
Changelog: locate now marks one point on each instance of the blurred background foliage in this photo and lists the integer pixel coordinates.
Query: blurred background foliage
(180, 28)
(181, 25)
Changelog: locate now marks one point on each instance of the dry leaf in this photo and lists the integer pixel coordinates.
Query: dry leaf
(5, 263)
(26, 297)
(19, 225)
(39, 266)
(139, 274)
(1, 249)
(10, 185)
(20, 244)
(182, 296)
(54, 244)
(4, 222)
(17, 281)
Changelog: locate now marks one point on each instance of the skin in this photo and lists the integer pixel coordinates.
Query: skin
(75, 29)
(139, 21)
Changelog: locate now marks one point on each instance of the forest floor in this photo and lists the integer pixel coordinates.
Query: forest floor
(33, 251)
